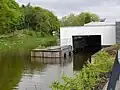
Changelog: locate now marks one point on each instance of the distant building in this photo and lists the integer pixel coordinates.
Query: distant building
(107, 33)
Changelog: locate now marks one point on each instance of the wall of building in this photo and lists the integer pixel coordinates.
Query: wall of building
(107, 32)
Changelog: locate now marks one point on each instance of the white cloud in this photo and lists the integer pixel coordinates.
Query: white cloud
(104, 8)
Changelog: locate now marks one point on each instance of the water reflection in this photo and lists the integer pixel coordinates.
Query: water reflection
(26, 73)
(80, 59)
(42, 78)
(10, 72)
(60, 61)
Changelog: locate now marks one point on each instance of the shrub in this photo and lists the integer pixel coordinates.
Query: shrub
(89, 76)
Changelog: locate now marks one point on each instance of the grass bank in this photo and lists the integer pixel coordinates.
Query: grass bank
(23, 41)
(93, 75)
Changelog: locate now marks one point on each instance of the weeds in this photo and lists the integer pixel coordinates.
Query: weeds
(23, 42)
(89, 76)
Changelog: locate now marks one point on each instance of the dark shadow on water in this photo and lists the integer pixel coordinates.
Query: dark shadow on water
(80, 59)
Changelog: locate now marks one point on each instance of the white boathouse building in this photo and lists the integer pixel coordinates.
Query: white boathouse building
(99, 33)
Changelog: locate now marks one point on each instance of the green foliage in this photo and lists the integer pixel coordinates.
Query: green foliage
(40, 20)
(13, 17)
(23, 41)
(79, 20)
(9, 15)
(88, 76)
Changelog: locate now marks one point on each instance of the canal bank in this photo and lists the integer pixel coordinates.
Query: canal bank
(35, 75)
(93, 76)
(15, 62)
(32, 74)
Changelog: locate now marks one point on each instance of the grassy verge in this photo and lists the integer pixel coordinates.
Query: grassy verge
(24, 41)
(92, 75)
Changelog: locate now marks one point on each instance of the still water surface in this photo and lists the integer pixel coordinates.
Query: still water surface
(20, 73)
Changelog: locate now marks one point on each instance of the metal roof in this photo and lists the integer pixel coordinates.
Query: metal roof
(100, 24)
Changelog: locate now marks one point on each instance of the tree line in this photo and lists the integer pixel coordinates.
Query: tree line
(79, 20)
(15, 17)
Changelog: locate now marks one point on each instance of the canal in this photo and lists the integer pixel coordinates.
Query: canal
(20, 73)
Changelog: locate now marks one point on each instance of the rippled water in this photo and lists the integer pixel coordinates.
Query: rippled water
(25, 73)
(41, 78)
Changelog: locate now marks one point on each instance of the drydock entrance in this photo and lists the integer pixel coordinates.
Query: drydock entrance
(89, 43)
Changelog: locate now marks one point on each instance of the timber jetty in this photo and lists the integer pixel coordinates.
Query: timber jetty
(52, 52)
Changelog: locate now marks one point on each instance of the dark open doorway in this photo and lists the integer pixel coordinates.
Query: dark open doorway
(89, 43)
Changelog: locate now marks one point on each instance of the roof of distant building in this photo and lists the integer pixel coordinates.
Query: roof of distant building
(100, 24)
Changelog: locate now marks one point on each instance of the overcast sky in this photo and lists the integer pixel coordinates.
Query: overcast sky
(104, 8)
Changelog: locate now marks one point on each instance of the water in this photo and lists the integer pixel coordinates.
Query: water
(22, 73)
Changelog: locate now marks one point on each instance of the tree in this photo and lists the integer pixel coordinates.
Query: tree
(13, 17)
(79, 20)
(40, 20)
(9, 15)
(52, 21)
(95, 17)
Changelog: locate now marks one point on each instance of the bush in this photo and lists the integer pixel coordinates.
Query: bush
(89, 76)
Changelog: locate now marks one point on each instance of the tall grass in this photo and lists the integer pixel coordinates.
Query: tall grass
(24, 41)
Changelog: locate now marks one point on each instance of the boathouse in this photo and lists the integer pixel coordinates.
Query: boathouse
(92, 35)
